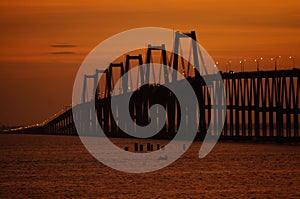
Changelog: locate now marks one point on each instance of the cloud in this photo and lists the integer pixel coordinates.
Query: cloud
(63, 45)
(63, 53)
(66, 46)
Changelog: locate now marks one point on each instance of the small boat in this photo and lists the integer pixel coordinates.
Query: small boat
(163, 158)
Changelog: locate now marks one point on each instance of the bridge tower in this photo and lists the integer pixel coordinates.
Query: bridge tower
(194, 50)
(130, 58)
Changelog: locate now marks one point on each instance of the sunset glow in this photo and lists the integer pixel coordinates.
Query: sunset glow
(44, 42)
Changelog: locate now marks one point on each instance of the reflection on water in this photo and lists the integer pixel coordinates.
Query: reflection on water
(60, 166)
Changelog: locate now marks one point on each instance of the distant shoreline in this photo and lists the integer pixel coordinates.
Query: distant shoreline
(246, 139)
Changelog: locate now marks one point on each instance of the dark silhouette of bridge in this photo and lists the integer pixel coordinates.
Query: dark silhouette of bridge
(260, 104)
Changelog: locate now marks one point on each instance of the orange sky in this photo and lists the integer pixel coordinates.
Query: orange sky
(36, 74)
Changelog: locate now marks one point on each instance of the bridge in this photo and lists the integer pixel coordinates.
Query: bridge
(259, 104)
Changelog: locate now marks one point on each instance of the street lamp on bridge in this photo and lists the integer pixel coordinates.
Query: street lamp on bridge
(242, 62)
(275, 61)
(216, 64)
(228, 66)
(257, 63)
(294, 63)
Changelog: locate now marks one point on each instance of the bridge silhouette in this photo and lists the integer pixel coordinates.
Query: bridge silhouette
(259, 104)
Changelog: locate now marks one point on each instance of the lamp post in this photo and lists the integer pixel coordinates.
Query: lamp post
(242, 62)
(216, 64)
(229, 66)
(294, 63)
(275, 61)
(257, 63)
